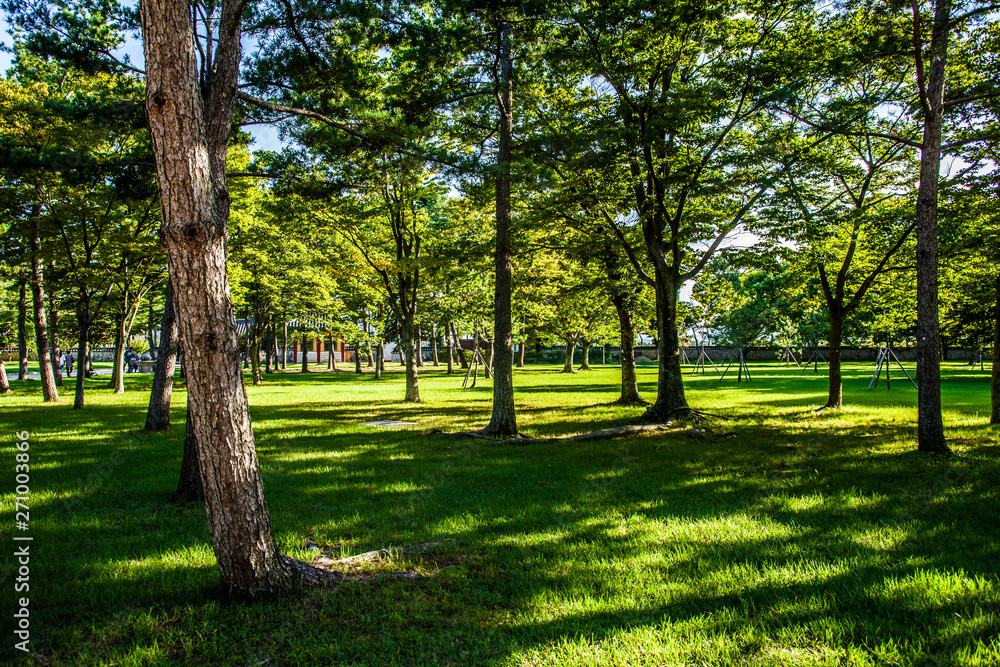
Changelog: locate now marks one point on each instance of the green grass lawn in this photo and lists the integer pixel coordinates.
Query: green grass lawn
(786, 538)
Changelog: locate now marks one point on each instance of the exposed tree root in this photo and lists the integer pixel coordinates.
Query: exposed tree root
(310, 575)
(602, 434)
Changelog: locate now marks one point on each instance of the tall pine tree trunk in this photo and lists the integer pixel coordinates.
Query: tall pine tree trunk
(434, 345)
(190, 135)
(930, 424)
(835, 395)
(503, 422)
(670, 399)
(630, 383)
(585, 360)
(158, 414)
(570, 352)
(409, 357)
(49, 392)
(22, 331)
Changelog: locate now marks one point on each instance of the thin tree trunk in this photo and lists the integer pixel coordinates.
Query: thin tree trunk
(630, 383)
(520, 355)
(357, 359)
(190, 128)
(117, 379)
(284, 345)
(329, 355)
(254, 354)
(458, 348)
(451, 351)
(418, 343)
(412, 384)
(670, 399)
(488, 371)
(585, 361)
(503, 422)
(83, 319)
(22, 331)
(379, 365)
(158, 414)
(995, 376)
(930, 425)
(570, 352)
(269, 350)
(305, 354)
(53, 323)
(434, 345)
(189, 486)
(835, 395)
(49, 392)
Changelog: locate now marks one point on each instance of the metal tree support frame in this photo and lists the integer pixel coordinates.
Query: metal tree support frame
(814, 359)
(700, 361)
(788, 357)
(883, 358)
(742, 368)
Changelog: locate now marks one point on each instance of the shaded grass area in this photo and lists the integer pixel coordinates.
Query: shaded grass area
(787, 538)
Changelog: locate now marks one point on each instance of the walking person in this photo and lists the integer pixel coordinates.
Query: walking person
(69, 363)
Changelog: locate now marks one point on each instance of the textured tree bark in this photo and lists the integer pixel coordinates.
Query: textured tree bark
(585, 361)
(189, 488)
(409, 358)
(520, 355)
(670, 399)
(995, 375)
(630, 384)
(570, 352)
(503, 422)
(371, 354)
(49, 392)
(930, 425)
(835, 395)
(189, 135)
(22, 331)
(4, 386)
(357, 360)
(305, 353)
(158, 414)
